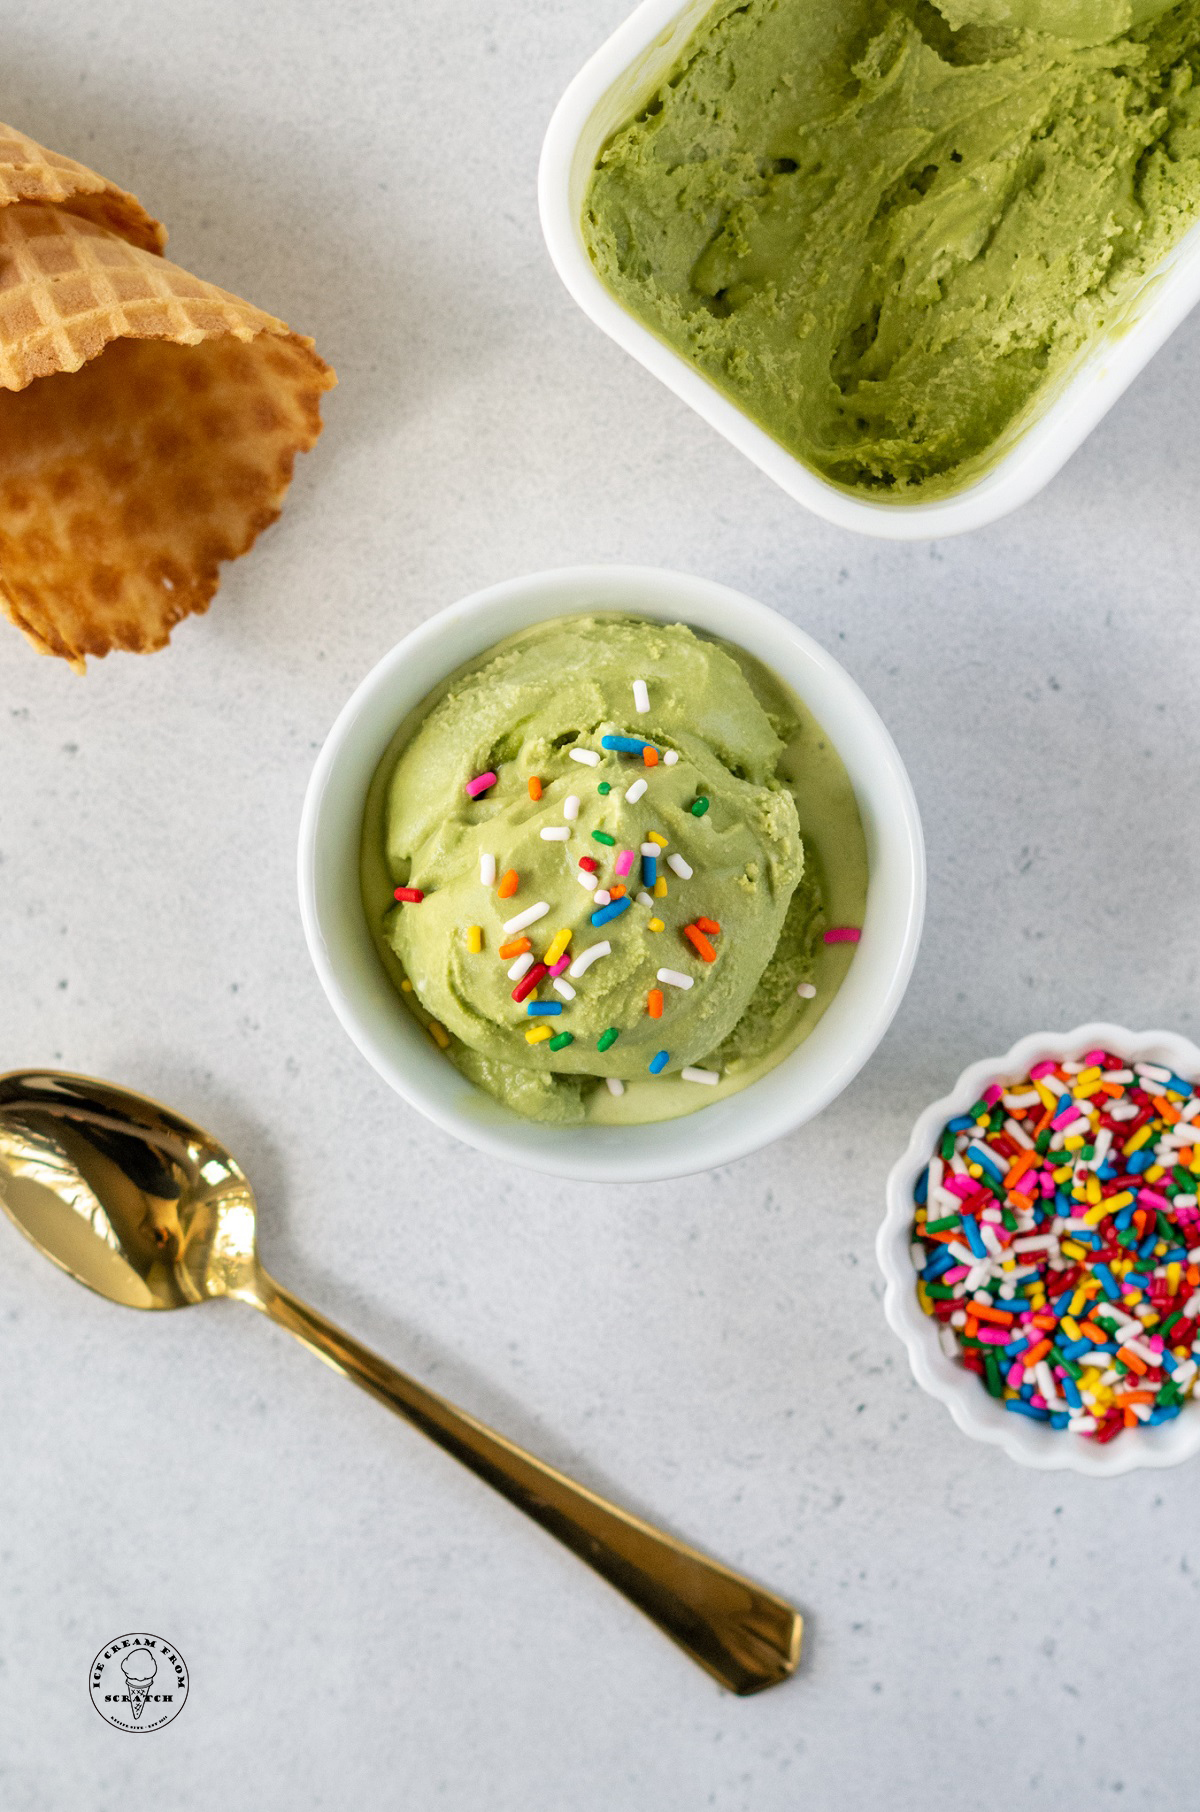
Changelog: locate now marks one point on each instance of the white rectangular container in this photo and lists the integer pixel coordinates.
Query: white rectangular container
(608, 91)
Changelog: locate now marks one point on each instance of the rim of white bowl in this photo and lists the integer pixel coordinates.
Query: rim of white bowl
(975, 1412)
(648, 40)
(363, 998)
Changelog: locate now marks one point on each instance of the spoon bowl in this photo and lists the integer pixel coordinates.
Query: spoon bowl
(153, 1213)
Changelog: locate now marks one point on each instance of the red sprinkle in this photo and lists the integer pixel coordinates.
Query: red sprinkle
(588, 863)
(843, 934)
(529, 981)
(412, 894)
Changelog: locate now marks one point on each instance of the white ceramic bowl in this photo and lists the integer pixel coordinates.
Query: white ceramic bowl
(608, 91)
(978, 1414)
(364, 999)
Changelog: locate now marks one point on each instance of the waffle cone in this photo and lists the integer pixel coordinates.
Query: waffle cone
(149, 421)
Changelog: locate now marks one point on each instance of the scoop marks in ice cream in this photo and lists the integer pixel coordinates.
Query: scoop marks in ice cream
(631, 802)
(887, 232)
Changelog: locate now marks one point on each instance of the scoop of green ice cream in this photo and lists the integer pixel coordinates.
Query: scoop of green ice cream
(521, 713)
(1075, 21)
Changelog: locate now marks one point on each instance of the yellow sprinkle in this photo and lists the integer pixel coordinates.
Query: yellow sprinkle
(1062, 1173)
(1138, 1140)
(439, 1034)
(656, 925)
(655, 837)
(406, 986)
(660, 889)
(1075, 1143)
(1155, 1173)
(474, 939)
(924, 1299)
(1093, 1191)
(1049, 1098)
(1070, 1327)
(536, 1034)
(1073, 1249)
(556, 946)
(974, 1170)
(1174, 1277)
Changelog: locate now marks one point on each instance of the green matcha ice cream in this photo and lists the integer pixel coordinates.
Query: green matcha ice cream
(887, 231)
(732, 907)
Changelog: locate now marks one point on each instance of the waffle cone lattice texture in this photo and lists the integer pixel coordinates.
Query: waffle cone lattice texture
(149, 421)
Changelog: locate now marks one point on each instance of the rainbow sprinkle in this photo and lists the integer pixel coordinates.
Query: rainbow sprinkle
(482, 783)
(1057, 1242)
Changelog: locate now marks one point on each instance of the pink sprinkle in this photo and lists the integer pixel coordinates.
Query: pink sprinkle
(1042, 1069)
(563, 963)
(1097, 1057)
(1016, 1375)
(480, 784)
(843, 934)
(960, 1186)
(995, 1336)
(993, 1094)
(1038, 1401)
(624, 861)
(1150, 1198)
(955, 1274)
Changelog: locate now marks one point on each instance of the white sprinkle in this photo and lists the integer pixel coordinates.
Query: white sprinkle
(602, 897)
(586, 958)
(487, 870)
(712, 1077)
(1155, 1071)
(634, 793)
(589, 757)
(674, 979)
(806, 991)
(571, 806)
(530, 916)
(641, 698)
(555, 833)
(680, 866)
(643, 899)
(564, 988)
(615, 1085)
(652, 849)
(587, 880)
(522, 966)
(671, 757)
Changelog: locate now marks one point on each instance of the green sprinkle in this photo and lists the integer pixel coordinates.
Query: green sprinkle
(943, 1226)
(605, 786)
(560, 1043)
(603, 837)
(1184, 1178)
(991, 1366)
(1169, 1323)
(947, 1148)
(980, 1111)
(939, 1292)
(699, 808)
(607, 1038)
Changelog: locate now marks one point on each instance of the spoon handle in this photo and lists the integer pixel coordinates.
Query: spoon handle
(747, 1638)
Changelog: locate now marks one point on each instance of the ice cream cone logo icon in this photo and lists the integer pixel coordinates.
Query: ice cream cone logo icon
(139, 1668)
(138, 1682)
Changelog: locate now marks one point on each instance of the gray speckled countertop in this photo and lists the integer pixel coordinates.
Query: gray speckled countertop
(365, 1625)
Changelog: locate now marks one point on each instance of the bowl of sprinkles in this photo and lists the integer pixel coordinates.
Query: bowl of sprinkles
(1042, 1250)
(576, 873)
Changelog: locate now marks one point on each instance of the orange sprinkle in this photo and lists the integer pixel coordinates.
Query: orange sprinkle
(617, 891)
(535, 787)
(1032, 1354)
(1093, 1332)
(709, 925)
(1193, 1275)
(1130, 1419)
(516, 946)
(1137, 1396)
(654, 1003)
(1017, 1200)
(972, 1328)
(1018, 1167)
(509, 882)
(1132, 1361)
(699, 943)
(650, 756)
(983, 1311)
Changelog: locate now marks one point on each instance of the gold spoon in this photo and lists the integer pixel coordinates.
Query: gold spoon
(151, 1212)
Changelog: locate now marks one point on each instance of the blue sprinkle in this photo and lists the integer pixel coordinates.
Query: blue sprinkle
(1108, 1282)
(1076, 1349)
(1167, 1413)
(613, 910)
(942, 1261)
(649, 871)
(971, 1229)
(1141, 1160)
(544, 1009)
(1122, 1220)
(628, 745)
(1059, 1419)
(659, 1062)
(963, 1124)
(981, 1155)
(1179, 1087)
(1174, 1257)
(921, 1192)
(1020, 1408)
